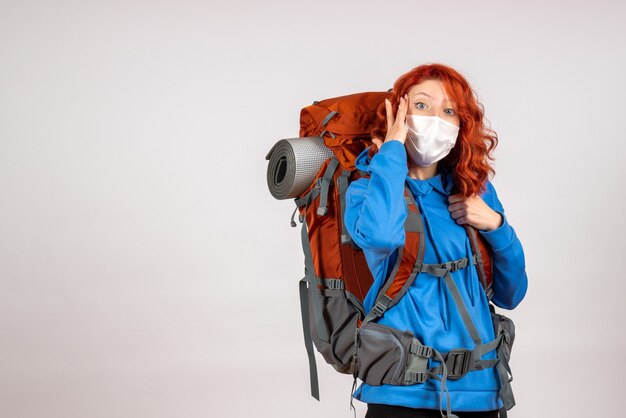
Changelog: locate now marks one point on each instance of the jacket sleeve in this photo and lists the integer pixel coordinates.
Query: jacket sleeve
(509, 266)
(375, 209)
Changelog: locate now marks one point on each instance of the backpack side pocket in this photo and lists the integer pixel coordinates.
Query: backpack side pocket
(504, 325)
(382, 354)
(340, 317)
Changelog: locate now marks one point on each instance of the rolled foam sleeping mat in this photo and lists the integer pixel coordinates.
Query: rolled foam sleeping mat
(293, 165)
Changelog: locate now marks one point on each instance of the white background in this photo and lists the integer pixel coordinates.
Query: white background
(146, 271)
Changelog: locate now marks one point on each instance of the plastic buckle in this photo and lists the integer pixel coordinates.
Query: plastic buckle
(458, 363)
(415, 377)
(419, 349)
(334, 284)
(379, 308)
(457, 265)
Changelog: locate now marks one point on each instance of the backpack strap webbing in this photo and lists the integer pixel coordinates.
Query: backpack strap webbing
(324, 183)
(309, 283)
(308, 343)
(342, 187)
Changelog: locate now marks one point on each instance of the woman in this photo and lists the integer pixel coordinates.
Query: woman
(438, 144)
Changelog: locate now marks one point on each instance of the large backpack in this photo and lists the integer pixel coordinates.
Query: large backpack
(337, 277)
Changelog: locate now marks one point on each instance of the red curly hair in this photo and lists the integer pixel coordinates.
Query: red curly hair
(468, 159)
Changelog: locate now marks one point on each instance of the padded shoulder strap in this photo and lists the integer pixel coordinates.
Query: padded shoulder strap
(482, 251)
(408, 262)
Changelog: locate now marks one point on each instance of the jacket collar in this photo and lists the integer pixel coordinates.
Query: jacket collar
(423, 187)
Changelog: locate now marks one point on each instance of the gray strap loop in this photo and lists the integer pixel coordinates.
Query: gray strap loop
(308, 343)
(324, 184)
(328, 117)
(311, 277)
(304, 201)
(312, 280)
(506, 392)
(342, 186)
(293, 223)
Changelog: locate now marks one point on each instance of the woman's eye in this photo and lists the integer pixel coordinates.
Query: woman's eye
(418, 105)
(451, 111)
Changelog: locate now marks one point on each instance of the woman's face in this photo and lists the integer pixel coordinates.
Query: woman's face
(429, 98)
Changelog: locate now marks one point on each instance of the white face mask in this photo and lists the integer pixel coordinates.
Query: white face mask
(429, 138)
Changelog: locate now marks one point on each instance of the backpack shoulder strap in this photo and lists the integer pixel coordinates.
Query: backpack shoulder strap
(408, 262)
(482, 253)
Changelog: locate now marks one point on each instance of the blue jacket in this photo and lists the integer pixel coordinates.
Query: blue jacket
(374, 216)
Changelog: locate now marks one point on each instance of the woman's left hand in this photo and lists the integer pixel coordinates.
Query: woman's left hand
(474, 211)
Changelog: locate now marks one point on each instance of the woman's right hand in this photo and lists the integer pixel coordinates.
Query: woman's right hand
(396, 129)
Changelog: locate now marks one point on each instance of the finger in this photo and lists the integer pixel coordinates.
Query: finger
(455, 198)
(457, 213)
(403, 108)
(378, 142)
(390, 119)
(453, 207)
(462, 204)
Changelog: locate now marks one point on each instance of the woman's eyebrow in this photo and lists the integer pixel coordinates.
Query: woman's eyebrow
(452, 102)
(428, 95)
